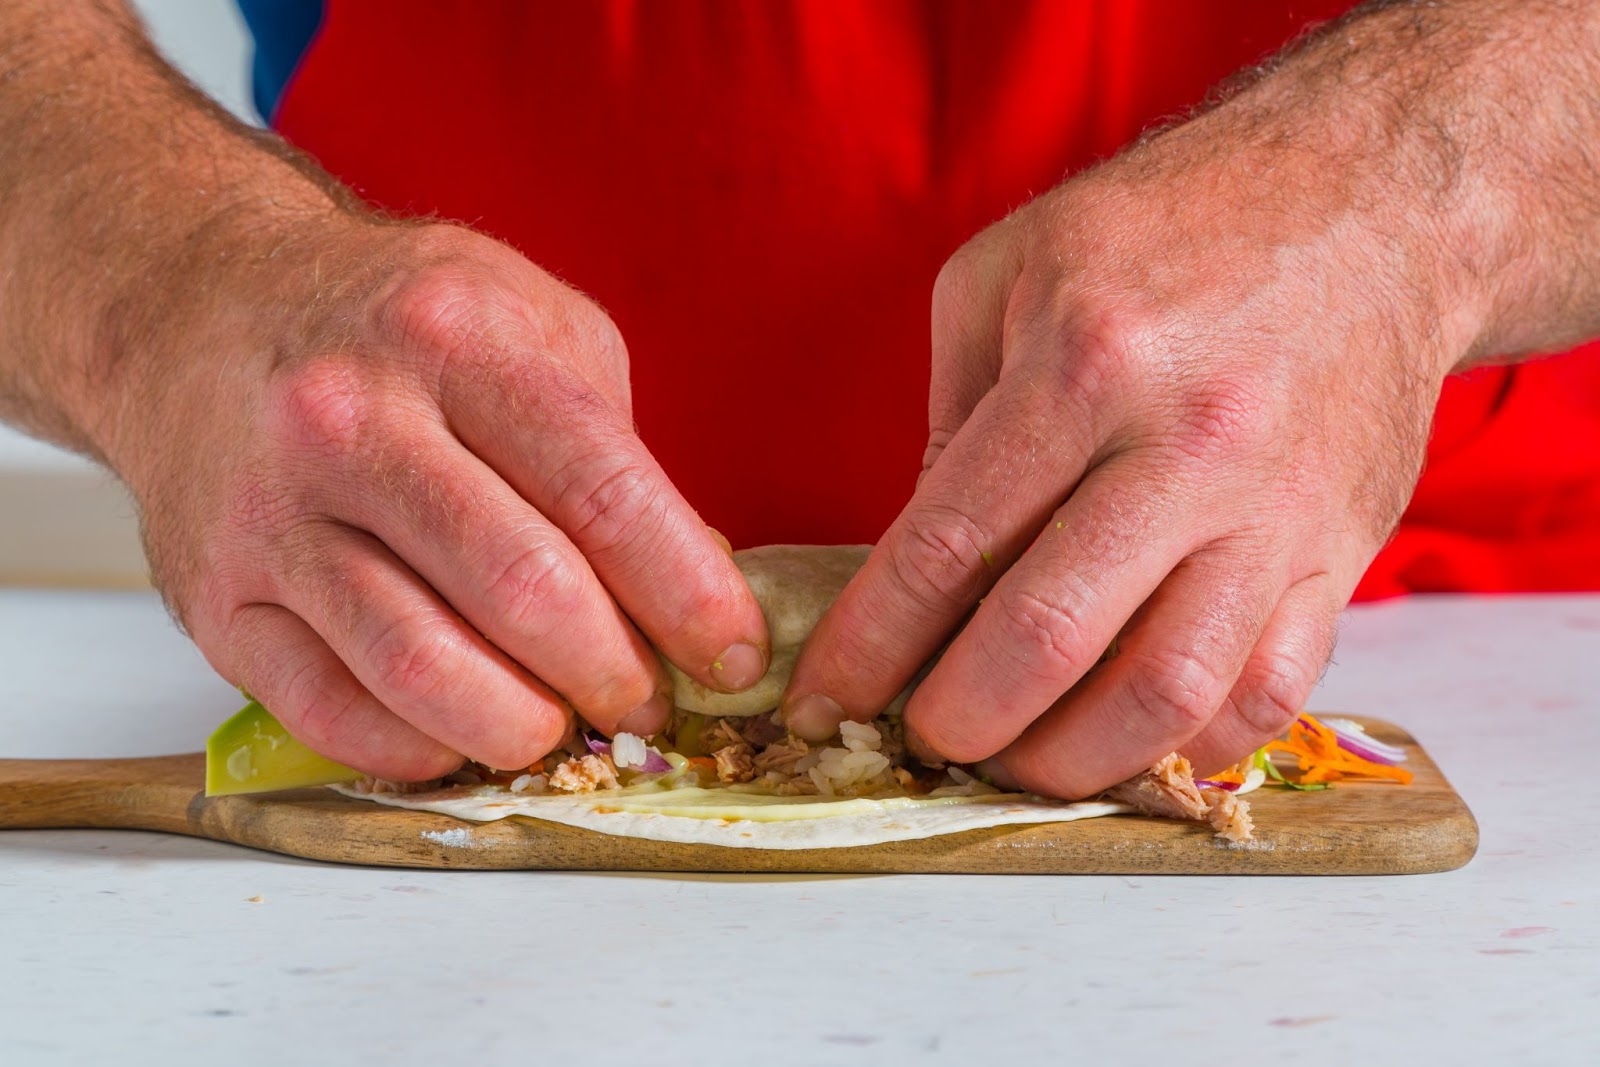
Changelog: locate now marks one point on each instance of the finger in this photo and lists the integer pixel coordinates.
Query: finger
(991, 491)
(1050, 619)
(565, 450)
(413, 653)
(292, 672)
(1175, 664)
(1278, 678)
(515, 577)
(969, 313)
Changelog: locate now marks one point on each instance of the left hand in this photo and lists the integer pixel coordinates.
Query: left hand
(1180, 401)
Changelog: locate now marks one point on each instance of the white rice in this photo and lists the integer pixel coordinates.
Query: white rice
(628, 751)
(860, 736)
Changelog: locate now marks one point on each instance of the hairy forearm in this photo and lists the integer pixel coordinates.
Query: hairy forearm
(1468, 132)
(126, 200)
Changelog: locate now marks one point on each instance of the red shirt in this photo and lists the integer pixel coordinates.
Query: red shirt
(762, 193)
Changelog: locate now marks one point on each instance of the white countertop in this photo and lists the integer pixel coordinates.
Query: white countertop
(138, 948)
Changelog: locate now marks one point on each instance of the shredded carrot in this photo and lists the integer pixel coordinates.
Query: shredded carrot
(1231, 776)
(1320, 759)
(705, 763)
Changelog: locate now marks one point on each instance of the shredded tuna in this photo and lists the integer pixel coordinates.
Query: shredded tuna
(720, 733)
(763, 730)
(1166, 790)
(583, 774)
(1229, 815)
(734, 763)
(781, 756)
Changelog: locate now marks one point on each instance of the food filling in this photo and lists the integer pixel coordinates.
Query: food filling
(757, 756)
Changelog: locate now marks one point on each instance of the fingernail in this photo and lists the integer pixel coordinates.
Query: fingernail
(920, 748)
(814, 717)
(993, 771)
(723, 541)
(739, 667)
(649, 718)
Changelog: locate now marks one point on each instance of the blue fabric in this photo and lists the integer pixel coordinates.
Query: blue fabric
(283, 30)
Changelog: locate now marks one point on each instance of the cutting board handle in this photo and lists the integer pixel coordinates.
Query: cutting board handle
(126, 794)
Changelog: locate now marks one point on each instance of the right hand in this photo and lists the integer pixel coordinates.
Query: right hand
(390, 485)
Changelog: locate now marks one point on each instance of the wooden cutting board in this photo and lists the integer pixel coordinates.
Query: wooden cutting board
(1350, 829)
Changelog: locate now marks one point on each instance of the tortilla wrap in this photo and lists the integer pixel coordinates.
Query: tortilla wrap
(730, 820)
(795, 585)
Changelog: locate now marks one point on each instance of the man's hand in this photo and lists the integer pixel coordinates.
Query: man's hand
(420, 521)
(387, 473)
(1181, 401)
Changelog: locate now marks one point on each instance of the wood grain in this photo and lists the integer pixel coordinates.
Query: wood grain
(1351, 829)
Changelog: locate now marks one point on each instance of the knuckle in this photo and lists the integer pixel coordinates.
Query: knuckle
(209, 606)
(321, 708)
(410, 658)
(533, 592)
(322, 408)
(939, 559)
(1173, 693)
(1044, 636)
(437, 308)
(1092, 362)
(1272, 695)
(1108, 333)
(618, 507)
(479, 304)
(1076, 384)
(592, 330)
(1098, 343)
(1218, 421)
(958, 285)
(698, 615)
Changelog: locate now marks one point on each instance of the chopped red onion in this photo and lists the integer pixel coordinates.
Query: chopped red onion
(1210, 783)
(1359, 743)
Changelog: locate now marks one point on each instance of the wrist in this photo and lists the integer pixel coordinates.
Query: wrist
(1468, 127)
(1408, 226)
